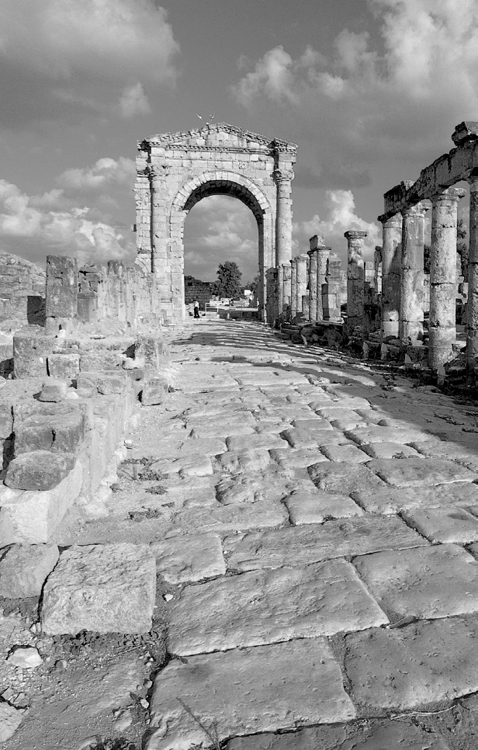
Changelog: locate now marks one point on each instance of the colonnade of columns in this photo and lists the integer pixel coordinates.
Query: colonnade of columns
(403, 292)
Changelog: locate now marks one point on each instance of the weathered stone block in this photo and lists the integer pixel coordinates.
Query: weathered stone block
(32, 517)
(61, 286)
(53, 390)
(189, 558)
(6, 420)
(151, 350)
(30, 354)
(110, 383)
(60, 429)
(10, 720)
(106, 589)
(24, 569)
(64, 366)
(38, 470)
(154, 391)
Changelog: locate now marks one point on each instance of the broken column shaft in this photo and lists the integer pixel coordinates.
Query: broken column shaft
(472, 304)
(391, 255)
(355, 279)
(411, 276)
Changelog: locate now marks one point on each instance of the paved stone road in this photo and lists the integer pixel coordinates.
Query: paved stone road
(320, 536)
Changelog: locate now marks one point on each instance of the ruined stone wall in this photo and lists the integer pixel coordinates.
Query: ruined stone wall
(22, 292)
(195, 289)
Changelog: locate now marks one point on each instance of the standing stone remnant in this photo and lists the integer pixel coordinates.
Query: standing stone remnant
(472, 304)
(411, 278)
(293, 287)
(443, 276)
(283, 179)
(314, 291)
(391, 259)
(355, 279)
(61, 291)
(286, 280)
(301, 283)
(331, 286)
(377, 263)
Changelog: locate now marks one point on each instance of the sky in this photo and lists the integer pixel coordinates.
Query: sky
(369, 90)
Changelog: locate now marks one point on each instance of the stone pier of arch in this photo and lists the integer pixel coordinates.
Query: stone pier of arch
(176, 170)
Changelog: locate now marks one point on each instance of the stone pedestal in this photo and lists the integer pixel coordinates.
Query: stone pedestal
(443, 276)
(355, 279)
(411, 277)
(472, 304)
(391, 258)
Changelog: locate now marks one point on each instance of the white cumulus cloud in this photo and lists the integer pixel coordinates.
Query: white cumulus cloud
(133, 101)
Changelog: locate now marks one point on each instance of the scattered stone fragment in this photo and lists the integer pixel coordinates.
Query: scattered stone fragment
(107, 589)
(412, 472)
(24, 569)
(26, 658)
(38, 470)
(444, 524)
(212, 686)
(424, 583)
(308, 544)
(189, 558)
(413, 667)
(10, 720)
(268, 606)
(53, 390)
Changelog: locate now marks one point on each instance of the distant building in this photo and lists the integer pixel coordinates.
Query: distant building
(195, 289)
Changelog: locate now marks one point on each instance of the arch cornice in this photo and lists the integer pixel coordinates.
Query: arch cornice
(184, 193)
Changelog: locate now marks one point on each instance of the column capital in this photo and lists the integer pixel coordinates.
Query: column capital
(451, 194)
(418, 209)
(282, 175)
(355, 234)
(316, 241)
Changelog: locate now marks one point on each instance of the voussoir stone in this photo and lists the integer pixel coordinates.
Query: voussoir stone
(38, 470)
(24, 569)
(246, 691)
(308, 544)
(412, 472)
(189, 558)
(415, 666)
(106, 589)
(426, 582)
(268, 606)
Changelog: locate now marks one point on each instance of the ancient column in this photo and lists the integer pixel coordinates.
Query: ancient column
(286, 280)
(314, 291)
(293, 287)
(377, 261)
(283, 180)
(61, 298)
(443, 276)
(355, 279)
(411, 276)
(280, 290)
(301, 283)
(391, 253)
(472, 304)
(322, 266)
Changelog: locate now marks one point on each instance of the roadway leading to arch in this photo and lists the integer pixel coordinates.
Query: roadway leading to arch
(319, 539)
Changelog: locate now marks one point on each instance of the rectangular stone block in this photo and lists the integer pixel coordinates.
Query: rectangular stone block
(413, 472)
(32, 517)
(59, 428)
(413, 667)
(391, 500)
(246, 691)
(268, 606)
(38, 470)
(64, 366)
(30, 354)
(308, 544)
(107, 589)
(61, 286)
(189, 558)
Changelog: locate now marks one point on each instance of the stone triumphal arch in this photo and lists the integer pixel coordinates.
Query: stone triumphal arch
(176, 170)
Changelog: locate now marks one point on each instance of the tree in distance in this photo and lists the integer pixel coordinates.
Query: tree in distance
(228, 283)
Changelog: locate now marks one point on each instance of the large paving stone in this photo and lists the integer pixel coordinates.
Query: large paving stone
(189, 558)
(344, 478)
(413, 472)
(268, 606)
(401, 734)
(304, 437)
(302, 545)
(106, 589)
(223, 518)
(366, 435)
(315, 506)
(295, 458)
(344, 453)
(251, 488)
(423, 583)
(415, 666)
(205, 446)
(389, 450)
(39, 470)
(252, 442)
(391, 500)
(24, 569)
(247, 691)
(444, 524)
(237, 462)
